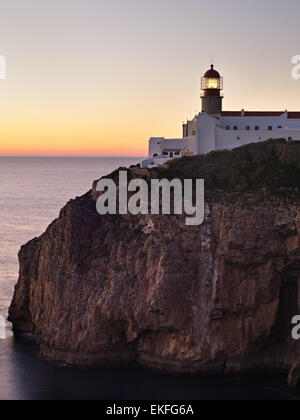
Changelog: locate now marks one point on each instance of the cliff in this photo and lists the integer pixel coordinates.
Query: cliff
(218, 297)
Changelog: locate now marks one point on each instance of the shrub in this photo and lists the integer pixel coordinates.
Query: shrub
(273, 165)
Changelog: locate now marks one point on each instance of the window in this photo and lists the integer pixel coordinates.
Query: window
(193, 132)
(270, 128)
(238, 138)
(248, 128)
(290, 138)
(166, 153)
(257, 128)
(235, 128)
(280, 126)
(177, 153)
(228, 127)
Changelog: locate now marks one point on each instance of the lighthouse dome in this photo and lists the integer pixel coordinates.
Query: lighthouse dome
(212, 73)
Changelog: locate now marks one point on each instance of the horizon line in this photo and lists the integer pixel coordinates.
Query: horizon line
(72, 156)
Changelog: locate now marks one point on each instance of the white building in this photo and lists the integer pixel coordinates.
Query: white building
(215, 129)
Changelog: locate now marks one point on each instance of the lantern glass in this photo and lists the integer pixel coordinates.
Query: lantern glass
(212, 83)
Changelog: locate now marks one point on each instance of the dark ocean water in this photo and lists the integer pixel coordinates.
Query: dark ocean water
(32, 191)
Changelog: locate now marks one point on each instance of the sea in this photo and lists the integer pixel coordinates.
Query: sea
(32, 192)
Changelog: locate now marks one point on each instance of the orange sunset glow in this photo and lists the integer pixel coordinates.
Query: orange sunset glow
(100, 78)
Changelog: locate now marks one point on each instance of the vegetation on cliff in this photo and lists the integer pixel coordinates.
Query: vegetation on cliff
(272, 166)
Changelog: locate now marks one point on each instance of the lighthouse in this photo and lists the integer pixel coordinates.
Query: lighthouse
(212, 85)
(215, 129)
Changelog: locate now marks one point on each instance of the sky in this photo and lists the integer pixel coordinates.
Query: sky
(100, 77)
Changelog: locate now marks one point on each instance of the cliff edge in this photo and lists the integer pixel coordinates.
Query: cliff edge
(218, 297)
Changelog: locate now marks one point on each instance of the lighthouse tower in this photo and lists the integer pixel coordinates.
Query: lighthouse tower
(212, 85)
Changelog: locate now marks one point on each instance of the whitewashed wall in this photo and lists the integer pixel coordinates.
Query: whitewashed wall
(231, 139)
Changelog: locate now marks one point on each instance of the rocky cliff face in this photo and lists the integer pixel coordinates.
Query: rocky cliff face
(213, 298)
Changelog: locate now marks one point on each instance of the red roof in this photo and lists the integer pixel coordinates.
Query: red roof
(212, 73)
(251, 114)
(291, 115)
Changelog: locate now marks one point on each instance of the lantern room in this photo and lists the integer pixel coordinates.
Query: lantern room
(212, 83)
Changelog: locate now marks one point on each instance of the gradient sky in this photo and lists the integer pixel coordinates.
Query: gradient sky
(95, 77)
